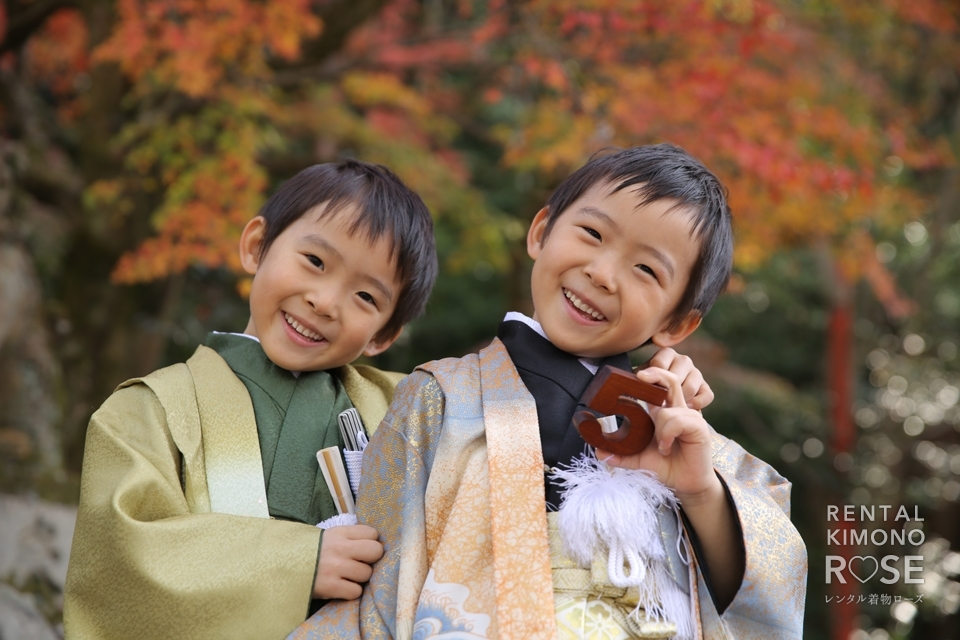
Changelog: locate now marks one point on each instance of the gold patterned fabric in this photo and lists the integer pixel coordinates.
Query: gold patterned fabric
(152, 556)
(453, 544)
(588, 606)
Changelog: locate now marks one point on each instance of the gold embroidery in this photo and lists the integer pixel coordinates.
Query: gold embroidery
(588, 606)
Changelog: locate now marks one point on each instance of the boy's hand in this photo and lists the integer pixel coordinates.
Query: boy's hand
(695, 389)
(680, 455)
(345, 558)
(680, 452)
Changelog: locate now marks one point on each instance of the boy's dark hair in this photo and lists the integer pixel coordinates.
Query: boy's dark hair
(666, 171)
(384, 206)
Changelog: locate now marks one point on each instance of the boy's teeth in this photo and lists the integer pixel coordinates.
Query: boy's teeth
(302, 330)
(583, 306)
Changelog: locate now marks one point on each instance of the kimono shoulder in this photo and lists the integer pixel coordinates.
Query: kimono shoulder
(211, 420)
(151, 548)
(489, 377)
(459, 378)
(370, 390)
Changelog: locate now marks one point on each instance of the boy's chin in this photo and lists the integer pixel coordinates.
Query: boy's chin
(575, 343)
(305, 364)
(581, 350)
(596, 351)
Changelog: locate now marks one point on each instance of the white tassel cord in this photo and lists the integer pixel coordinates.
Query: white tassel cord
(617, 508)
(339, 520)
(602, 503)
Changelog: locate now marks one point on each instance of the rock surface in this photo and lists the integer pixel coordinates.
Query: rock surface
(34, 547)
(20, 619)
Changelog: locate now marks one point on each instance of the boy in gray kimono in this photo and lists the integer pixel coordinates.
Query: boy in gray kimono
(461, 482)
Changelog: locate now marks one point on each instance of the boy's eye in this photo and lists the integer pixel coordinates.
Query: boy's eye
(315, 261)
(366, 297)
(592, 232)
(648, 270)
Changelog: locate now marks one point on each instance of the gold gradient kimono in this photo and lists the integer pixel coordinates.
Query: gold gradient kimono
(453, 481)
(173, 536)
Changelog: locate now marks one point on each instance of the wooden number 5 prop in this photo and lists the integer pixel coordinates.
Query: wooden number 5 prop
(617, 392)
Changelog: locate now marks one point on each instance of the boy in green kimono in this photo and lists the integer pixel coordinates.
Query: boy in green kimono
(461, 479)
(201, 491)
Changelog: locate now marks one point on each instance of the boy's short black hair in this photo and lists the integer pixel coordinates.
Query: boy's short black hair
(666, 171)
(383, 206)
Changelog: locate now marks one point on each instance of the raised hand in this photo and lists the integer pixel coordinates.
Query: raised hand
(695, 389)
(680, 452)
(681, 456)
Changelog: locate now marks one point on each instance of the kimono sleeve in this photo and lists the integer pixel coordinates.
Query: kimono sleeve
(143, 566)
(770, 601)
(396, 469)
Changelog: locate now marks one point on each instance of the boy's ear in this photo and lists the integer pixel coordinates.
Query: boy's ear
(536, 233)
(668, 337)
(376, 347)
(250, 241)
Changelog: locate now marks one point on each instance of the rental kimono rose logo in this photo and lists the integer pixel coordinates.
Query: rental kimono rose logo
(873, 525)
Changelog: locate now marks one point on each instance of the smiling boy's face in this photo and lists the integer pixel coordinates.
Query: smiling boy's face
(610, 273)
(320, 294)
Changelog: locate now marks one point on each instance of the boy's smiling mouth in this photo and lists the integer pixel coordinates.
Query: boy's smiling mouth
(302, 330)
(582, 306)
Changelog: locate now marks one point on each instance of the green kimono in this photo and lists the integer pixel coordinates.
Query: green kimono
(174, 533)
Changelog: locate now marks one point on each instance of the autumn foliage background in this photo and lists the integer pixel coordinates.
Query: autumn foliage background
(138, 136)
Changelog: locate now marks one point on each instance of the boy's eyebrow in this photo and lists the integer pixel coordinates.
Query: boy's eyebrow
(382, 288)
(662, 258)
(594, 212)
(321, 242)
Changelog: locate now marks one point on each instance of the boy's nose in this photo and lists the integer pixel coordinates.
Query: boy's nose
(323, 301)
(602, 273)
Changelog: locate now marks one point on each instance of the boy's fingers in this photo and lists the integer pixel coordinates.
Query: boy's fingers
(696, 391)
(362, 549)
(702, 398)
(345, 590)
(676, 363)
(340, 580)
(691, 386)
(662, 358)
(358, 532)
(368, 551)
(667, 379)
(337, 542)
(669, 432)
(358, 572)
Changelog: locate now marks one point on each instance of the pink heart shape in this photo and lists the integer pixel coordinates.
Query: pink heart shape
(863, 559)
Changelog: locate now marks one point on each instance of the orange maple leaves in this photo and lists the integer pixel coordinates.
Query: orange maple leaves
(804, 137)
(200, 156)
(194, 45)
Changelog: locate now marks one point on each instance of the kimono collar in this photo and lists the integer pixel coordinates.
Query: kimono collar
(533, 353)
(556, 380)
(296, 417)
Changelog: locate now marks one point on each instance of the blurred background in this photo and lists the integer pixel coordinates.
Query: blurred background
(138, 136)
